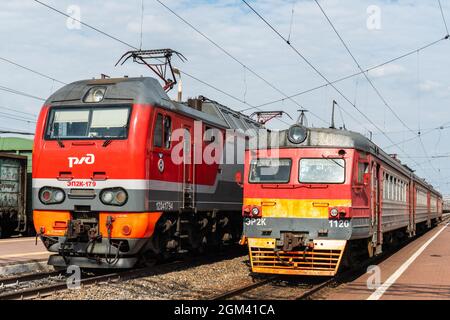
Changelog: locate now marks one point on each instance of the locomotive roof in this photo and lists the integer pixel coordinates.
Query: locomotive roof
(337, 138)
(147, 90)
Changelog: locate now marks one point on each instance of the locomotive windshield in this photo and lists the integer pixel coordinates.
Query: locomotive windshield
(323, 170)
(270, 171)
(88, 123)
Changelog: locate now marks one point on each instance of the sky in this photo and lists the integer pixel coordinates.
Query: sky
(416, 87)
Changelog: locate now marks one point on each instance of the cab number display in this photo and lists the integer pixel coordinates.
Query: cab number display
(81, 184)
(339, 223)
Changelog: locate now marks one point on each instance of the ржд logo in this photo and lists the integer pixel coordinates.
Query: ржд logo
(87, 159)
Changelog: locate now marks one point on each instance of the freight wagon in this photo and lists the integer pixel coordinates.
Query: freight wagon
(13, 186)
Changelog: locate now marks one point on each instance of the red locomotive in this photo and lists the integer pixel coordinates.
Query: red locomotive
(106, 191)
(320, 193)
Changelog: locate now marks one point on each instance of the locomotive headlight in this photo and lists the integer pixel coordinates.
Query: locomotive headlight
(58, 196)
(114, 196)
(95, 94)
(50, 195)
(107, 197)
(334, 212)
(255, 211)
(297, 134)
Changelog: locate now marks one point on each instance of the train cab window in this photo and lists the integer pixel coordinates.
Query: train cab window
(270, 171)
(69, 123)
(322, 170)
(88, 123)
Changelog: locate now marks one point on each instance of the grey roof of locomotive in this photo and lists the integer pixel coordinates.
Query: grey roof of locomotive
(337, 138)
(147, 90)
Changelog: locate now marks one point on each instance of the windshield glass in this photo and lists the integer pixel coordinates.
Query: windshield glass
(324, 170)
(88, 123)
(270, 171)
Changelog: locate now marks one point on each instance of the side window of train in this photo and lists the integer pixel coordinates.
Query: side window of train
(163, 131)
(385, 186)
(167, 131)
(363, 168)
(158, 131)
(391, 188)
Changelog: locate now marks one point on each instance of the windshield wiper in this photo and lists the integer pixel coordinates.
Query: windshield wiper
(60, 143)
(107, 142)
(331, 159)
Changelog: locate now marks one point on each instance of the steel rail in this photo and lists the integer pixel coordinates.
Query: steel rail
(41, 291)
(238, 291)
(27, 277)
(356, 272)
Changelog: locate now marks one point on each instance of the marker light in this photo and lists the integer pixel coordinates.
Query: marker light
(114, 196)
(334, 212)
(50, 195)
(121, 197)
(255, 211)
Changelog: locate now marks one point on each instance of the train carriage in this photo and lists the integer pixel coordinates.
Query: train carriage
(13, 192)
(317, 194)
(107, 191)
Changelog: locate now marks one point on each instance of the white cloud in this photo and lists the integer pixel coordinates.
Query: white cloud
(430, 85)
(387, 70)
(38, 38)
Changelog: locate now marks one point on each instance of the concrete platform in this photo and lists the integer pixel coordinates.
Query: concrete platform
(419, 271)
(22, 255)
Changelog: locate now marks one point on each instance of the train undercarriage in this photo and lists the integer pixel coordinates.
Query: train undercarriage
(174, 233)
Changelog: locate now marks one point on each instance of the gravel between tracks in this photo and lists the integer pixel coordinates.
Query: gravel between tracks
(198, 282)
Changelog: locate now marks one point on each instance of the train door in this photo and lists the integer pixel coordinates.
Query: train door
(188, 194)
(375, 210)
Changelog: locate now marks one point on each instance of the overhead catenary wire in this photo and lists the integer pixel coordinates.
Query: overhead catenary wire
(27, 114)
(376, 90)
(416, 137)
(226, 52)
(31, 70)
(16, 132)
(407, 54)
(313, 67)
(135, 48)
(14, 117)
(443, 17)
(319, 73)
(20, 93)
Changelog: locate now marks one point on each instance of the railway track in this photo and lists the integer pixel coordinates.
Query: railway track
(243, 289)
(59, 279)
(316, 289)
